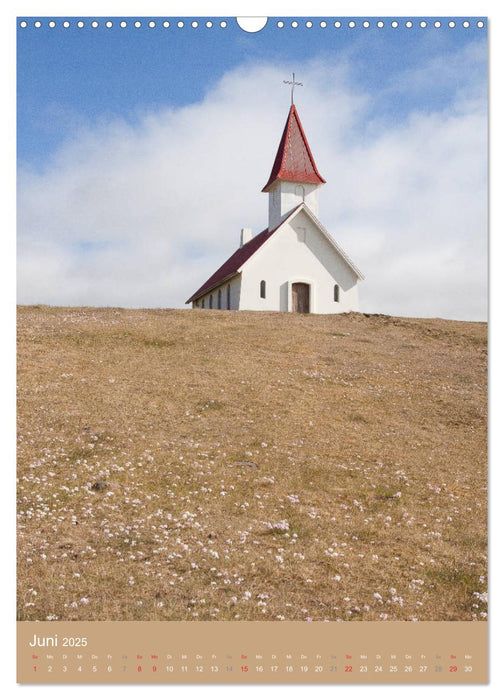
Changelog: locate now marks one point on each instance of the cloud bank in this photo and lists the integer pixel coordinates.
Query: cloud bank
(139, 215)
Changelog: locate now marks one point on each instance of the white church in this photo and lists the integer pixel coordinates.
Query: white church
(294, 264)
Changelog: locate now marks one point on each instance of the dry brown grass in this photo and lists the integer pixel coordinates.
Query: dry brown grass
(164, 454)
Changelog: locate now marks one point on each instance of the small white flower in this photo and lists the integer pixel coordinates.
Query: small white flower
(282, 525)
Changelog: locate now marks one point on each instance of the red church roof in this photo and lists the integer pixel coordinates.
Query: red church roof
(294, 160)
(232, 264)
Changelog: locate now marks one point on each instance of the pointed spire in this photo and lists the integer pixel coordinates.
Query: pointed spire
(294, 160)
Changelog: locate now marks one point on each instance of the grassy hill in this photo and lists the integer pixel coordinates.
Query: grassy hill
(207, 465)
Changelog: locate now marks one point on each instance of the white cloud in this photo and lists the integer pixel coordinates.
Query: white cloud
(140, 215)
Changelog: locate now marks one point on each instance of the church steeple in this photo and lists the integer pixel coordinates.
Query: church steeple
(294, 160)
(294, 177)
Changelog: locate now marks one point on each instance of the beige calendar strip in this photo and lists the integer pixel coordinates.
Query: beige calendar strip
(252, 652)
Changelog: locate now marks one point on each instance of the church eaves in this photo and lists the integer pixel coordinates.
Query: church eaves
(294, 160)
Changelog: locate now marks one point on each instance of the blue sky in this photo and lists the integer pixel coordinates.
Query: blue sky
(163, 117)
(77, 75)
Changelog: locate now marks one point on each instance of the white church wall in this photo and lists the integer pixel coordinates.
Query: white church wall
(298, 252)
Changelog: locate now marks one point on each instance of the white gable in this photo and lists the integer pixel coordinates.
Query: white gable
(300, 251)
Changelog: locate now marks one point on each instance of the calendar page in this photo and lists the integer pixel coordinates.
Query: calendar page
(252, 349)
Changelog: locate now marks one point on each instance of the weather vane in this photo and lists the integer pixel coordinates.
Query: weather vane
(293, 83)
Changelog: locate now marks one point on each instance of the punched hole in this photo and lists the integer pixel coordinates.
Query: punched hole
(251, 24)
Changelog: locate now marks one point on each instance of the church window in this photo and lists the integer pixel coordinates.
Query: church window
(219, 299)
(210, 303)
(202, 303)
(301, 234)
(229, 297)
(300, 192)
(263, 289)
(336, 292)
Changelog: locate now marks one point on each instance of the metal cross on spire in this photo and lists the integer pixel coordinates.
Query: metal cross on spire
(293, 83)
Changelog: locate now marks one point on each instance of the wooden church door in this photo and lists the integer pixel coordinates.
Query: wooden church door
(301, 298)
